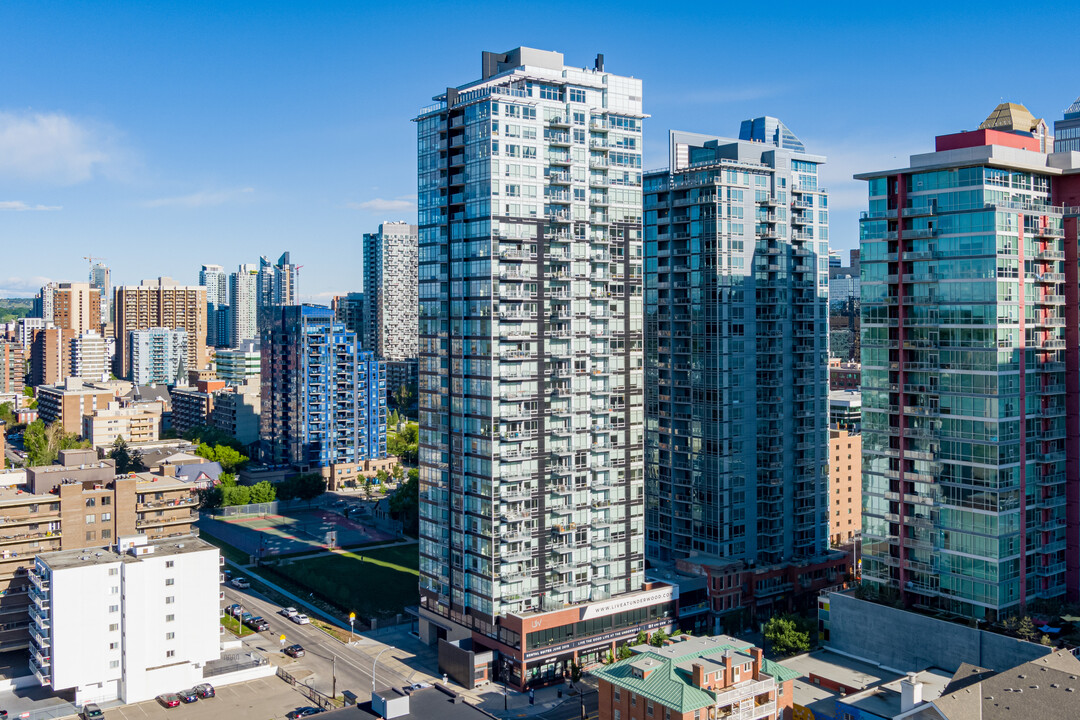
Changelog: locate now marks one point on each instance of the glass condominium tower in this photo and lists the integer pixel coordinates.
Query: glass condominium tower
(531, 363)
(736, 307)
(964, 396)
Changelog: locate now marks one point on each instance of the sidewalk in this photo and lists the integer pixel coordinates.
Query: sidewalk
(516, 704)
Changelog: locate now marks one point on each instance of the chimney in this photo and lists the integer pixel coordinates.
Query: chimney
(729, 677)
(699, 675)
(757, 653)
(910, 692)
(168, 470)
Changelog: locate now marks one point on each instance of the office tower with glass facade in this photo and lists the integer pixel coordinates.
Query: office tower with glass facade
(101, 280)
(736, 327)
(278, 282)
(531, 364)
(1067, 130)
(967, 405)
(323, 398)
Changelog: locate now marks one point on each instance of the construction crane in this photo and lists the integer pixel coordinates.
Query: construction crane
(90, 263)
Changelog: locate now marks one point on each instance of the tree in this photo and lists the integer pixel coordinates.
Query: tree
(126, 460)
(227, 456)
(642, 638)
(575, 672)
(658, 638)
(403, 397)
(405, 503)
(1045, 640)
(382, 476)
(398, 473)
(43, 443)
(368, 491)
(236, 495)
(263, 492)
(784, 636)
(624, 652)
(1026, 628)
(7, 415)
(307, 486)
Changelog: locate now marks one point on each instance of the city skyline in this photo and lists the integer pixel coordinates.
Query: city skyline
(244, 142)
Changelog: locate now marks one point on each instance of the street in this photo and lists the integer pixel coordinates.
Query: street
(325, 656)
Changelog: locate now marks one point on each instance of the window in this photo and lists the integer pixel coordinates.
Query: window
(90, 502)
(113, 664)
(170, 636)
(106, 501)
(649, 709)
(633, 700)
(115, 589)
(114, 646)
(113, 627)
(169, 563)
(91, 535)
(170, 653)
(577, 95)
(91, 519)
(105, 517)
(170, 618)
(114, 608)
(106, 534)
(618, 715)
(114, 571)
(170, 581)
(618, 694)
(170, 600)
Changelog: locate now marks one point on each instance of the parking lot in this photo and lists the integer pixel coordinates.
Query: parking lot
(264, 699)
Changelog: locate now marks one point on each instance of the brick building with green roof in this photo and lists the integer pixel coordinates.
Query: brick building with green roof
(696, 678)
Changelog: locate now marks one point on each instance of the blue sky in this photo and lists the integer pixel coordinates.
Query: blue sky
(165, 135)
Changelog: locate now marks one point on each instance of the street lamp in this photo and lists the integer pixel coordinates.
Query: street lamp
(352, 619)
(373, 664)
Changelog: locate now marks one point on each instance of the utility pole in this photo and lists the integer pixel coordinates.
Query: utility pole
(333, 659)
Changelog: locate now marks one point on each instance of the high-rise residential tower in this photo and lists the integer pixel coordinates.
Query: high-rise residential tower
(277, 282)
(71, 306)
(390, 267)
(531, 364)
(243, 304)
(969, 301)
(160, 303)
(216, 281)
(736, 326)
(323, 398)
(349, 311)
(101, 280)
(158, 355)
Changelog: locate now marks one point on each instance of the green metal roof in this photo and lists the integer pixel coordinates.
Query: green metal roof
(670, 686)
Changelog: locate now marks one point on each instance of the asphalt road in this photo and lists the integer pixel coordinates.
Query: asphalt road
(324, 655)
(571, 709)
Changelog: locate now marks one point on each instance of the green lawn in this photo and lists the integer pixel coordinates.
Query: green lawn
(378, 583)
(233, 625)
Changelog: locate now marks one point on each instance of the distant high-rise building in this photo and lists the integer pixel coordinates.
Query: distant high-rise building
(158, 355)
(277, 282)
(218, 323)
(770, 131)
(531, 364)
(969, 326)
(70, 306)
(160, 303)
(12, 368)
(349, 311)
(243, 305)
(50, 356)
(390, 267)
(1067, 130)
(736, 327)
(323, 398)
(101, 280)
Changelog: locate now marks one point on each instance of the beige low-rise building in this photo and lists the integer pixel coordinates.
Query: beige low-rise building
(137, 424)
(69, 401)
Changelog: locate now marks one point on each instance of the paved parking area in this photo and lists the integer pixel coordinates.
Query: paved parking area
(265, 699)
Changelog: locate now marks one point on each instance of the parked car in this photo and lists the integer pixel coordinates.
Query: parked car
(206, 690)
(300, 619)
(244, 617)
(288, 612)
(241, 583)
(189, 695)
(227, 575)
(302, 712)
(295, 651)
(257, 623)
(234, 610)
(90, 711)
(169, 700)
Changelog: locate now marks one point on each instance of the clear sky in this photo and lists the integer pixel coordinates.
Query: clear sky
(164, 135)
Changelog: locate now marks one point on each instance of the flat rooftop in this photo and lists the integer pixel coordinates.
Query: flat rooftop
(14, 497)
(65, 559)
(884, 700)
(424, 704)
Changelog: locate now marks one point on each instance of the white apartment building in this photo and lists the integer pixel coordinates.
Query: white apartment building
(90, 358)
(243, 304)
(531, 346)
(125, 622)
(236, 365)
(390, 291)
(158, 355)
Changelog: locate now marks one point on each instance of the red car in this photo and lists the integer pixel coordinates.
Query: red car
(169, 700)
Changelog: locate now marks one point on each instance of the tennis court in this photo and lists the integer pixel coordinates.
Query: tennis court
(292, 531)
